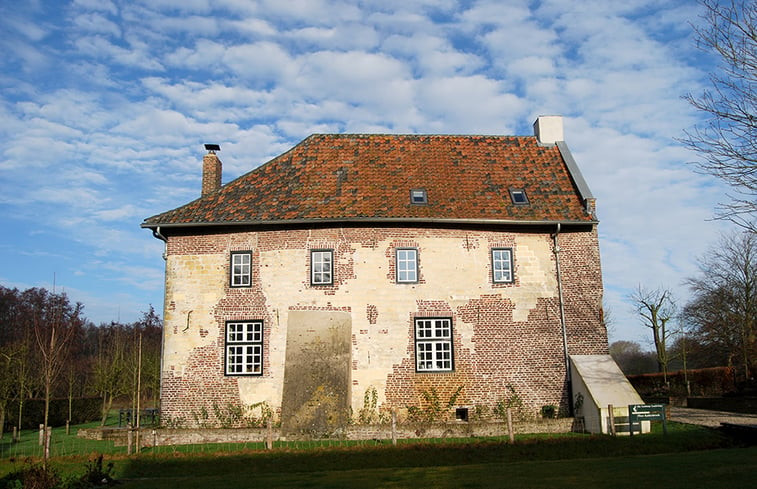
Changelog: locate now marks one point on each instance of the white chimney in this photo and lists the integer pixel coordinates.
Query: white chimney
(548, 129)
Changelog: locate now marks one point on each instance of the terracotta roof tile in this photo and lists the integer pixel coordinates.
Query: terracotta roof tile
(357, 176)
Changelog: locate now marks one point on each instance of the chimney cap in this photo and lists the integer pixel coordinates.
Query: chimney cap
(212, 148)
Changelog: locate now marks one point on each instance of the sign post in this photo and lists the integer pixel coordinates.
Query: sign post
(646, 412)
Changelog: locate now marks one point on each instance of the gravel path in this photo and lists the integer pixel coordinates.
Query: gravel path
(710, 418)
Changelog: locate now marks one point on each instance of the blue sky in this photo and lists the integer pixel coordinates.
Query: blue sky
(105, 105)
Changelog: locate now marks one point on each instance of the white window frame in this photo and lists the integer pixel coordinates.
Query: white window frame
(406, 265)
(433, 345)
(321, 267)
(502, 265)
(243, 352)
(240, 269)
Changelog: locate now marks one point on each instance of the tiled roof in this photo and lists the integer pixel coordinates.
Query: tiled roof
(359, 176)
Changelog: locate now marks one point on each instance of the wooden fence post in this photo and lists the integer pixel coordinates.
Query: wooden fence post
(48, 436)
(41, 435)
(394, 427)
(129, 438)
(611, 421)
(269, 436)
(510, 425)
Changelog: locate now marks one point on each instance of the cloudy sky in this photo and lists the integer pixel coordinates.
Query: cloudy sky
(105, 105)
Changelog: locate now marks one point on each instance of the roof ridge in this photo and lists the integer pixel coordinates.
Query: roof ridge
(434, 135)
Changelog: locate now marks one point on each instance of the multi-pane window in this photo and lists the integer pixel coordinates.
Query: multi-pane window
(502, 265)
(244, 348)
(241, 271)
(433, 345)
(407, 265)
(321, 267)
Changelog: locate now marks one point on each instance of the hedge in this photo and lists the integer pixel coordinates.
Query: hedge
(83, 410)
(714, 381)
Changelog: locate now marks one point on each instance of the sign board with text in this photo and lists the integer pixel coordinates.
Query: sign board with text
(646, 412)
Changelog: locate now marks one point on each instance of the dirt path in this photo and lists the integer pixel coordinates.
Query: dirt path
(712, 419)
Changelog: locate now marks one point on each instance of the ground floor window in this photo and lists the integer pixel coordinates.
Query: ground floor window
(433, 345)
(244, 347)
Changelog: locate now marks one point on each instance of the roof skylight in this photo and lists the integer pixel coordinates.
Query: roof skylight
(518, 196)
(418, 196)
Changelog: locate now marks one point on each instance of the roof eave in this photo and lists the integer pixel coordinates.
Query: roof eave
(367, 220)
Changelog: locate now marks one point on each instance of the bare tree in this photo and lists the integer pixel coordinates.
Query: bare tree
(110, 369)
(656, 309)
(631, 359)
(724, 308)
(54, 325)
(727, 141)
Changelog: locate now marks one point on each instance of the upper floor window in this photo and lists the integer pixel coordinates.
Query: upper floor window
(244, 348)
(407, 265)
(241, 270)
(502, 265)
(321, 267)
(433, 345)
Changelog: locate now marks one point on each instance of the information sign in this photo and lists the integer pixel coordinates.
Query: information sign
(646, 412)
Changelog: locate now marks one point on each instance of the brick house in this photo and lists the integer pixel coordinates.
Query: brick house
(357, 270)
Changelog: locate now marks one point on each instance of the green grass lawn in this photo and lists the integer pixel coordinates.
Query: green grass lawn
(688, 456)
(61, 445)
(723, 468)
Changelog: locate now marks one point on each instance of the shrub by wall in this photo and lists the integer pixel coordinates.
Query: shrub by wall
(83, 410)
(714, 381)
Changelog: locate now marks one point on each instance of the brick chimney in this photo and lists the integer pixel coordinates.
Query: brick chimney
(548, 129)
(211, 171)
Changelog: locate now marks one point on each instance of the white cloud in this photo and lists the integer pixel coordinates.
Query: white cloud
(431, 54)
(105, 107)
(251, 27)
(314, 12)
(136, 55)
(260, 63)
(355, 77)
(347, 37)
(204, 55)
(96, 23)
(124, 212)
(97, 5)
(474, 104)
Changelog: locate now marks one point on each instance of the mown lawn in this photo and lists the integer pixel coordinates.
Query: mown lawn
(722, 468)
(688, 456)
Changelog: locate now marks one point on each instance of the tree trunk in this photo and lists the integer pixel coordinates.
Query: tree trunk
(2, 419)
(106, 408)
(20, 410)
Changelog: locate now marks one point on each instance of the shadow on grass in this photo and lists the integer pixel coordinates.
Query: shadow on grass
(282, 462)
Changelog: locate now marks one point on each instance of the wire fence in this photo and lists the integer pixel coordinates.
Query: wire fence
(116, 439)
(67, 445)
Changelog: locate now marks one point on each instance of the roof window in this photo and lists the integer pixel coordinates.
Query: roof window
(418, 196)
(518, 196)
